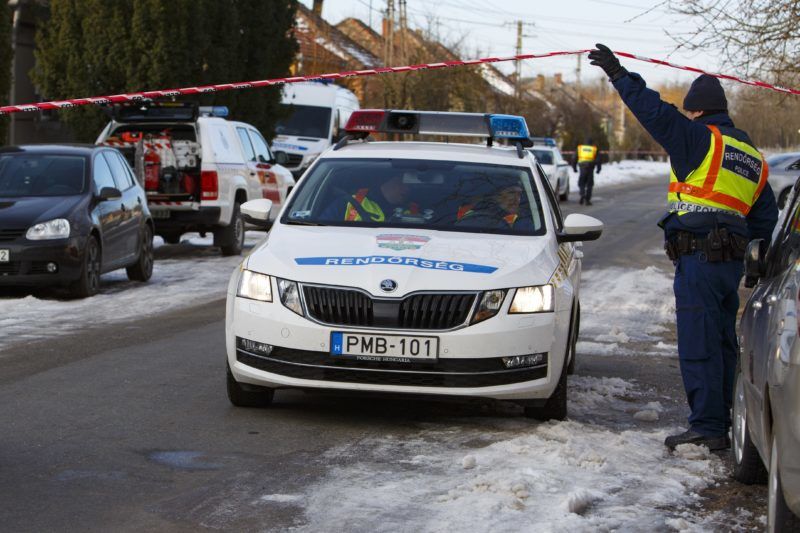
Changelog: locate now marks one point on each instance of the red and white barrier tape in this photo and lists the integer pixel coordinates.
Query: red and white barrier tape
(169, 93)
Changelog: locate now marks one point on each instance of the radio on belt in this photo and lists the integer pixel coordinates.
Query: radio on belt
(491, 126)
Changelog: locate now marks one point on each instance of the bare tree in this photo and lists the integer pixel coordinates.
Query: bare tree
(757, 37)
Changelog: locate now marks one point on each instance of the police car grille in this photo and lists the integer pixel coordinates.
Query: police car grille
(348, 307)
(294, 160)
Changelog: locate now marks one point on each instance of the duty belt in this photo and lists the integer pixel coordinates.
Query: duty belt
(718, 245)
(674, 207)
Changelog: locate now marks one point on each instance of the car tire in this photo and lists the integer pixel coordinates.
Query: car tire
(575, 328)
(779, 517)
(88, 284)
(173, 237)
(783, 197)
(142, 269)
(230, 239)
(564, 197)
(247, 395)
(555, 408)
(748, 468)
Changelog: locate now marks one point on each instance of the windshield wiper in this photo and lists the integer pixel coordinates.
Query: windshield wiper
(304, 223)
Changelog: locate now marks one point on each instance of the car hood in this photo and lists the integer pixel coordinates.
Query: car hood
(298, 145)
(416, 260)
(26, 211)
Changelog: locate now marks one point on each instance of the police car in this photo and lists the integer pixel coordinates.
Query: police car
(413, 267)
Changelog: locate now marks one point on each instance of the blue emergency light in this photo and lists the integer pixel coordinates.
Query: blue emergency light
(547, 141)
(214, 111)
(508, 127)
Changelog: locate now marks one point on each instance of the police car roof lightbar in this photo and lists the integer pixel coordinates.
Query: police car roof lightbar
(547, 141)
(214, 111)
(366, 121)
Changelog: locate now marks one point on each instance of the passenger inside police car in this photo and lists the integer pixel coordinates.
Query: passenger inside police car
(376, 201)
(501, 209)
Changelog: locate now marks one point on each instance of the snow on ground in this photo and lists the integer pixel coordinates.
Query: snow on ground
(624, 172)
(512, 474)
(176, 283)
(623, 306)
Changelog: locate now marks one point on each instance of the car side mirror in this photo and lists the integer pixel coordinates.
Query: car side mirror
(281, 158)
(755, 264)
(578, 227)
(257, 212)
(109, 193)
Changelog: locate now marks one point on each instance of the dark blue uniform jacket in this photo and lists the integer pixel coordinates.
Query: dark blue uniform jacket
(687, 143)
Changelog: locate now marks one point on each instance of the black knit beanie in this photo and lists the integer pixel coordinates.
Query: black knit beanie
(705, 94)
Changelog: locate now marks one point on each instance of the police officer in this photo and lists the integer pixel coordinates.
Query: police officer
(718, 200)
(587, 158)
(374, 204)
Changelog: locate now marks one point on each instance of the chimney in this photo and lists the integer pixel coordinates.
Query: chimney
(539, 82)
(317, 9)
(558, 78)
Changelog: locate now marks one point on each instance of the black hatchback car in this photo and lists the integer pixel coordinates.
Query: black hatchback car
(69, 214)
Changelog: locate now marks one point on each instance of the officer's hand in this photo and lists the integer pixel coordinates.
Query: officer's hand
(598, 171)
(604, 58)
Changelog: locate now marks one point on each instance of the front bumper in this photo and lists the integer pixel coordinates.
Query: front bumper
(28, 262)
(469, 362)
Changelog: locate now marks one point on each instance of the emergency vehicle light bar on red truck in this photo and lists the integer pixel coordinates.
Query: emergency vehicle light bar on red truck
(366, 121)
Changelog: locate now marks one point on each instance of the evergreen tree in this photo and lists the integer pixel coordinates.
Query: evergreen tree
(6, 56)
(97, 47)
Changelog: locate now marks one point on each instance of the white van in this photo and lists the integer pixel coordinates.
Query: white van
(197, 168)
(316, 114)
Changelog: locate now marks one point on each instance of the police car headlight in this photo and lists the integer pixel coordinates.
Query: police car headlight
(52, 229)
(490, 304)
(255, 286)
(290, 295)
(537, 299)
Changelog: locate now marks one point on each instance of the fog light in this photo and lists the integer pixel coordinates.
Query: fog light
(52, 268)
(520, 361)
(258, 348)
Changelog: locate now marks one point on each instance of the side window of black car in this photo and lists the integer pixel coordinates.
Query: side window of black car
(101, 174)
(118, 171)
(787, 243)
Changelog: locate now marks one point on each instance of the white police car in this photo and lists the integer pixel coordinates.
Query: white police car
(413, 267)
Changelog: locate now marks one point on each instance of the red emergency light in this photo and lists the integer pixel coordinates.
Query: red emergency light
(365, 121)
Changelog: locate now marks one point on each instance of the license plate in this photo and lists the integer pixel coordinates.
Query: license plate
(5, 256)
(159, 213)
(384, 348)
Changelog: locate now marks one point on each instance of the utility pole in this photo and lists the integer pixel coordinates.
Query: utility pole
(518, 64)
(578, 73)
(403, 32)
(388, 38)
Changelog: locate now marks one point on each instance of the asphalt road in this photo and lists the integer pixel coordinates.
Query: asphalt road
(127, 428)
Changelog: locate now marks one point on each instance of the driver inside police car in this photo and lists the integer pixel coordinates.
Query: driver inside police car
(377, 203)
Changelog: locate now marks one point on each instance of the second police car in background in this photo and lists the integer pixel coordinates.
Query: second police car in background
(413, 267)
(554, 165)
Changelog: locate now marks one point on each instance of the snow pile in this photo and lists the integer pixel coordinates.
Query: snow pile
(620, 306)
(565, 476)
(625, 172)
(197, 278)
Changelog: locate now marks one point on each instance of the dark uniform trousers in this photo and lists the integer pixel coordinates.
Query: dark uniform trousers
(586, 179)
(707, 300)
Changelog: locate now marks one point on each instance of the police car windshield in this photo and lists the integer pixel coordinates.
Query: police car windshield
(305, 121)
(404, 193)
(544, 157)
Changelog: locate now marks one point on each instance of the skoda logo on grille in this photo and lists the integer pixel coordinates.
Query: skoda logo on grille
(388, 285)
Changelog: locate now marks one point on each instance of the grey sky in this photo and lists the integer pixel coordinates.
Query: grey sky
(489, 28)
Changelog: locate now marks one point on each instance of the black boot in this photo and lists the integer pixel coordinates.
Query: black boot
(692, 437)
(582, 200)
(588, 202)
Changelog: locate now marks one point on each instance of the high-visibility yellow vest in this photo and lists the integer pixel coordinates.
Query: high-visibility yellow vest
(729, 180)
(587, 153)
(351, 214)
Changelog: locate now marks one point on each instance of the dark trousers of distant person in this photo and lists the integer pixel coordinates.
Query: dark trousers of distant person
(586, 180)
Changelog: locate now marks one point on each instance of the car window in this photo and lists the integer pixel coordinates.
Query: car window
(795, 165)
(551, 197)
(101, 174)
(223, 144)
(406, 193)
(121, 178)
(31, 174)
(261, 148)
(249, 153)
(786, 247)
(304, 121)
(544, 157)
(128, 170)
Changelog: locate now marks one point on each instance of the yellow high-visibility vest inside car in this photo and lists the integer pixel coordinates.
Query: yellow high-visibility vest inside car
(729, 180)
(587, 153)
